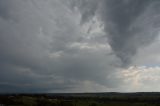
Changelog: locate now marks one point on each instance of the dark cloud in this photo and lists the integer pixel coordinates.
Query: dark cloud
(87, 8)
(61, 46)
(39, 51)
(125, 35)
(128, 24)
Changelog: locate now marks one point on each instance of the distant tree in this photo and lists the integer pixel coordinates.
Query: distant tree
(93, 104)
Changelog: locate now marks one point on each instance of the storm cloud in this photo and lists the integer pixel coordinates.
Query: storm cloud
(73, 45)
(128, 24)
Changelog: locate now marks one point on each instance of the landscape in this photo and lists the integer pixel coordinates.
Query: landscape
(82, 99)
(79, 52)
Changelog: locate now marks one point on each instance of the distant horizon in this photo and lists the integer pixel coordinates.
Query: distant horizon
(81, 93)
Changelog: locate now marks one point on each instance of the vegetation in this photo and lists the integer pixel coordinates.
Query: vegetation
(103, 99)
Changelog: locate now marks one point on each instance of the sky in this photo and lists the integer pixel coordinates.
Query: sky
(52, 46)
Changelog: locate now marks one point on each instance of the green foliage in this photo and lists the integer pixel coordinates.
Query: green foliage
(93, 104)
(43, 100)
(28, 101)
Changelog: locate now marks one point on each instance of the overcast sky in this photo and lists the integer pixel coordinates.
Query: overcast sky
(79, 45)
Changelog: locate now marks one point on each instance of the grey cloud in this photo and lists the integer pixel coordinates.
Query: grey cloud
(36, 53)
(87, 8)
(26, 40)
(124, 35)
(128, 24)
(44, 48)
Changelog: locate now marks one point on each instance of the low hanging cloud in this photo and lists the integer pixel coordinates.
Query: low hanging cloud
(45, 49)
(72, 45)
(128, 24)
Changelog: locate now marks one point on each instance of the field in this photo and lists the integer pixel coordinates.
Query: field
(81, 99)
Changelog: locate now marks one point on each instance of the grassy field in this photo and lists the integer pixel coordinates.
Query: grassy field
(85, 99)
